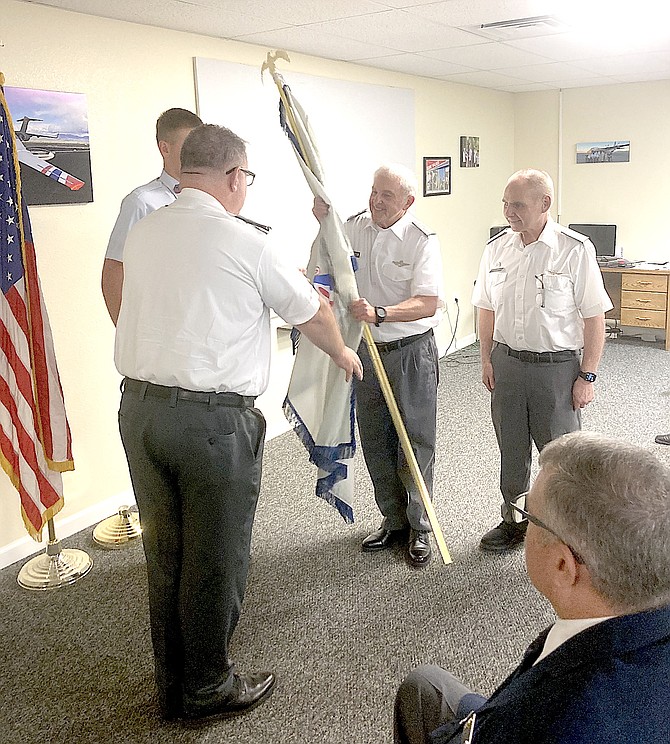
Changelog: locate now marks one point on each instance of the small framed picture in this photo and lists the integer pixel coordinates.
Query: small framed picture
(469, 152)
(436, 176)
(603, 152)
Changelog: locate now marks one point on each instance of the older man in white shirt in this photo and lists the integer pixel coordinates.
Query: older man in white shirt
(542, 308)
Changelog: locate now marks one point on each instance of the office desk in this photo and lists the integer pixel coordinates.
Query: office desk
(640, 298)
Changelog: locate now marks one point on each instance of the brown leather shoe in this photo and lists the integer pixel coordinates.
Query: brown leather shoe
(249, 691)
(382, 539)
(418, 548)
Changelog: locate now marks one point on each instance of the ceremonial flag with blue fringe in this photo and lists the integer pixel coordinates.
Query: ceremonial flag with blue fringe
(320, 403)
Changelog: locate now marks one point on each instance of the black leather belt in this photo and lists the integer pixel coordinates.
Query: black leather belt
(539, 357)
(391, 345)
(176, 393)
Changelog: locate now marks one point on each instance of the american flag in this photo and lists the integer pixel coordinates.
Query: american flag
(35, 443)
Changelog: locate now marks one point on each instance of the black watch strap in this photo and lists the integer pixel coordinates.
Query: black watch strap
(588, 376)
(380, 315)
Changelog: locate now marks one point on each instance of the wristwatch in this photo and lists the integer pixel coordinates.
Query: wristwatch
(380, 315)
(588, 376)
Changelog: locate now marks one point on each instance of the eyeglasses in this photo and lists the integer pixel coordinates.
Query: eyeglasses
(249, 174)
(520, 514)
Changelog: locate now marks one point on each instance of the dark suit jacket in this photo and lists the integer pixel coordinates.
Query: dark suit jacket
(606, 685)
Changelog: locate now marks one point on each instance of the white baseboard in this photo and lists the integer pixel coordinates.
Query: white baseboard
(89, 517)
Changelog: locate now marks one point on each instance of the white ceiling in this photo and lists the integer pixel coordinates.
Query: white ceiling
(583, 43)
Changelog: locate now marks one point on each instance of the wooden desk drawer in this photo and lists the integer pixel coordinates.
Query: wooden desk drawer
(645, 282)
(643, 318)
(646, 300)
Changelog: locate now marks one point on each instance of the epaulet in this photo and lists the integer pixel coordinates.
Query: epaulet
(498, 235)
(573, 234)
(263, 228)
(422, 228)
(358, 214)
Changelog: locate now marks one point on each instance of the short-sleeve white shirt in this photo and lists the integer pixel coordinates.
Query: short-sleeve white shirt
(394, 264)
(541, 292)
(198, 285)
(138, 204)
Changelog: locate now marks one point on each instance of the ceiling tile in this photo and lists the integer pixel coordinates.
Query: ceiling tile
(397, 29)
(652, 62)
(298, 12)
(483, 79)
(308, 40)
(547, 72)
(475, 12)
(488, 56)
(414, 64)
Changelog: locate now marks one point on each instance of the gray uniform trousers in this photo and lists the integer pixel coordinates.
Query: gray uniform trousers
(413, 373)
(530, 401)
(428, 698)
(196, 472)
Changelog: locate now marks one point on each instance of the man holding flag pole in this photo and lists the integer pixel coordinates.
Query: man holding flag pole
(405, 460)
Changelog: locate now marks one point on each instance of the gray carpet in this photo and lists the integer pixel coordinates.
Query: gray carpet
(340, 628)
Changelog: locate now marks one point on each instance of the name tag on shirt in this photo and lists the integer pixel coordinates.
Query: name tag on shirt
(497, 268)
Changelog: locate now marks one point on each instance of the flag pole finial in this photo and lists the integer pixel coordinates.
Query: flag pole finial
(270, 59)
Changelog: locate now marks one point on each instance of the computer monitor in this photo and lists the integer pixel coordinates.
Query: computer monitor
(603, 237)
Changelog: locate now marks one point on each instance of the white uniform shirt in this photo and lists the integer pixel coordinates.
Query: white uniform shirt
(198, 285)
(138, 204)
(394, 264)
(540, 293)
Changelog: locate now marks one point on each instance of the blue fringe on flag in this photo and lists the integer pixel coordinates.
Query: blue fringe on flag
(327, 458)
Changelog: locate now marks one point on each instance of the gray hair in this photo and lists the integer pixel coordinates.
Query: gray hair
(400, 173)
(610, 500)
(211, 147)
(538, 181)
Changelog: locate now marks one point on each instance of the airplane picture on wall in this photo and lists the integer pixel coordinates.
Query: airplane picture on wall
(52, 142)
(604, 152)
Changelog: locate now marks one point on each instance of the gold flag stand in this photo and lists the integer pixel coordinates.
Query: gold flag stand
(118, 530)
(54, 568)
(417, 476)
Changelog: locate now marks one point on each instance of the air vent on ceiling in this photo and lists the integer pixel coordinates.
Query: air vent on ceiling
(520, 28)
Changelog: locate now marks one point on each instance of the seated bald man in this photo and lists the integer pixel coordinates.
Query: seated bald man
(598, 548)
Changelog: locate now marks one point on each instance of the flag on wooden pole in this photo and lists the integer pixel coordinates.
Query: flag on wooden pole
(320, 402)
(35, 442)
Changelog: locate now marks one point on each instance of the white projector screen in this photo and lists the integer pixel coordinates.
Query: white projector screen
(357, 127)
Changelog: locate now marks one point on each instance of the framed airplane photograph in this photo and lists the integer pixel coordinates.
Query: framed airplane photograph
(436, 176)
(51, 130)
(603, 152)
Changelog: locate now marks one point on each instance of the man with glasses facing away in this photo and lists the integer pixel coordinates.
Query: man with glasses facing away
(597, 548)
(193, 343)
(542, 306)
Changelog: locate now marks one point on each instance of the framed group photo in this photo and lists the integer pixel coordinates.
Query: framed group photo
(436, 176)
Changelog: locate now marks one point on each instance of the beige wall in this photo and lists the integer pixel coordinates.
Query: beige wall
(634, 195)
(130, 74)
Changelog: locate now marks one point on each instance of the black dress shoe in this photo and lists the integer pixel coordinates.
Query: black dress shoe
(382, 539)
(506, 536)
(249, 690)
(418, 548)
